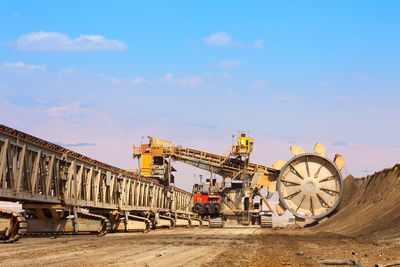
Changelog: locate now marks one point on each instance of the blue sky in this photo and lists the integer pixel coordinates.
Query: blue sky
(107, 73)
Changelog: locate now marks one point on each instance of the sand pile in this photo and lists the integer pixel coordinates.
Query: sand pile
(370, 207)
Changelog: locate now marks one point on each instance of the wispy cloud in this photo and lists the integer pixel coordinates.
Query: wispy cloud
(339, 143)
(364, 77)
(258, 44)
(167, 79)
(219, 39)
(22, 101)
(321, 84)
(185, 81)
(259, 85)
(68, 71)
(110, 78)
(138, 80)
(229, 64)
(76, 144)
(21, 66)
(56, 41)
(64, 110)
(205, 126)
(224, 39)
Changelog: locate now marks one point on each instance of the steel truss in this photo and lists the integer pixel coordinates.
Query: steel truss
(65, 192)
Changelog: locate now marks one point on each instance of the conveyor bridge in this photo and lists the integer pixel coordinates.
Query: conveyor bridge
(62, 191)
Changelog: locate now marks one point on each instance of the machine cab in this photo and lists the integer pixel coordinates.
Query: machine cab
(244, 145)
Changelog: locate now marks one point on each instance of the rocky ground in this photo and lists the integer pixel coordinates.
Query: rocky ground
(365, 230)
(197, 247)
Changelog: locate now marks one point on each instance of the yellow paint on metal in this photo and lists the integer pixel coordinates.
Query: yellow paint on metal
(280, 209)
(297, 150)
(339, 161)
(263, 181)
(279, 164)
(266, 201)
(146, 164)
(320, 149)
(272, 186)
(245, 144)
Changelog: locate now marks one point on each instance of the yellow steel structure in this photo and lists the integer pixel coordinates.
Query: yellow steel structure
(147, 162)
(245, 145)
(309, 185)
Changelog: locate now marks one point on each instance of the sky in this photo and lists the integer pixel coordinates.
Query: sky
(99, 76)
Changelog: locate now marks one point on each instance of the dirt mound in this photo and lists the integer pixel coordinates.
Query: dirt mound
(370, 207)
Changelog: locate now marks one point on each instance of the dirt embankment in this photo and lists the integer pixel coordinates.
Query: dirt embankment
(370, 207)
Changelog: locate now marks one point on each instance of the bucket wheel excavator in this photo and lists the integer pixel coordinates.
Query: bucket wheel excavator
(309, 185)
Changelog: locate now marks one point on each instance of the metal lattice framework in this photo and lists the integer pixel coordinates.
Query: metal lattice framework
(62, 191)
(34, 170)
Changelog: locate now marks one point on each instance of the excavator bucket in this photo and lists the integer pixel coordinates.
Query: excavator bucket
(320, 149)
(279, 164)
(339, 161)
(297, 150)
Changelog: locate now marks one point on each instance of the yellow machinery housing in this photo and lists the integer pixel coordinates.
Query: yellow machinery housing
(245, 145)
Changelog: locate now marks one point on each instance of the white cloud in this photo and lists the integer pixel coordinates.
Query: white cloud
(138, 80)
(21, 66)
(224, 39)
(258, 44)
(55, 41)
(260, 85)
(65, 110)
(169, 78)
(185, 81)
(123, 81)
(229, 64)
(218, 39)
(68, 71)
(110, 78)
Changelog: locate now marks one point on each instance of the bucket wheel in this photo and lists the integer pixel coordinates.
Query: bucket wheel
(310, 186)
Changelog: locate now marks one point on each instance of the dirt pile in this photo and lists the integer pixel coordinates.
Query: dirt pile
(370, 207)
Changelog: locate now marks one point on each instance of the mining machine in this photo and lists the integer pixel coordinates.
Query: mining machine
(309, 185)
(64, 192)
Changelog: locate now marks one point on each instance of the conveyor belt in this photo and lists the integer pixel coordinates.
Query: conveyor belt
(52, 181)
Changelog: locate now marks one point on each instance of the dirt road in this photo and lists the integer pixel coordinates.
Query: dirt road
(366, 229)
(197, 247)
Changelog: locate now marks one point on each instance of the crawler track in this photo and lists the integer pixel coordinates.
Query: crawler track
(266, 221)
(216, 222)
(17, 226)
